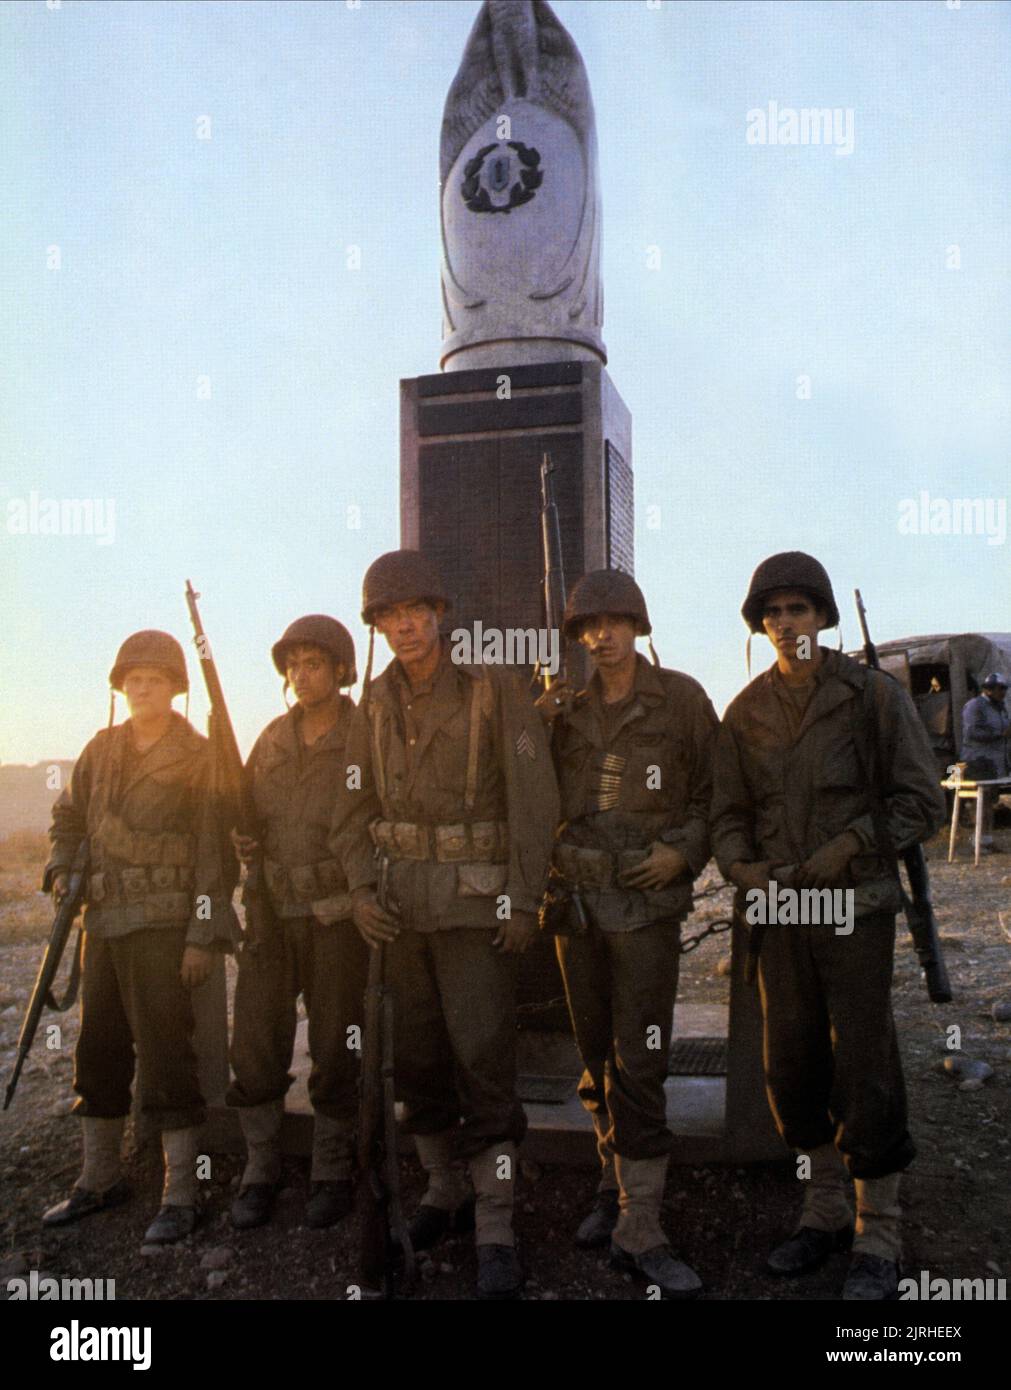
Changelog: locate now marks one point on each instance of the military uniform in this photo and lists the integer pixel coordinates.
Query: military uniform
(629, 775)
(458, 794)
(627, 780)
(308, 945)
(160, 880)
(791, 777)
(312, 947)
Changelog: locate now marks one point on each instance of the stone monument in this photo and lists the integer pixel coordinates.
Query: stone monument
(520, 209)
(524, 373)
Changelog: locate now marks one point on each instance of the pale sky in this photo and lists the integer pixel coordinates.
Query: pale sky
(880, 276)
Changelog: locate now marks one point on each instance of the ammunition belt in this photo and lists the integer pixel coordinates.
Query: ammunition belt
(163, 890)
(609, 775)
(305, 883)
(595, 868)
(465, 842)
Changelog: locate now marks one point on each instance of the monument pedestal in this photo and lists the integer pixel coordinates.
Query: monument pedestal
(471, 444)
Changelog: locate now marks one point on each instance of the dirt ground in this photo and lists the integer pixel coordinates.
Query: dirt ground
(957, 1196)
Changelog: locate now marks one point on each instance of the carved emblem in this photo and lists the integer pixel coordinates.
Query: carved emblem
(497, 176)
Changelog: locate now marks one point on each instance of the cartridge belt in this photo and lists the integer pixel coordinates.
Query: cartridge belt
(464, 842)
(595, 868)
(307, 884)
(163, 890)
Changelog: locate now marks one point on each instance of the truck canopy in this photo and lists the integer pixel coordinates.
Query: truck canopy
(941, 672)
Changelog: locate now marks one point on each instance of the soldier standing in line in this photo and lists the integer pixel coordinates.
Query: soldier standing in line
(633, 754)
(457, 795)
(823, 766)
(158, 906)
(312, 948)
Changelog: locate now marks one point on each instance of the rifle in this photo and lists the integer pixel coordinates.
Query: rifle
(916, 904)
(42, 994)
(230, 783)
(554, 573)
(384, 1237)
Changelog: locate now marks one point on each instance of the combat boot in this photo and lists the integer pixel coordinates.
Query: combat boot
(826, 1220)
(877, 1247)
(330, 1189)
(447, 1206)
(871, 1279)
(261, 1177)
(493, 1173)
(101, 1184)
(177, 1217)
(639, 1246)
(597, 1226)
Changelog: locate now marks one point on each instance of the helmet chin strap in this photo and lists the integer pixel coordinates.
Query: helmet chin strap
(367, 682)
(284, 693)
(652, 651)
(112, 707)
(747, 654)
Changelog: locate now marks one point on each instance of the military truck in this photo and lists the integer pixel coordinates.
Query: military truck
(941, 673)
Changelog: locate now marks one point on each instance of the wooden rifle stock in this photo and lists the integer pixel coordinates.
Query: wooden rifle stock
(230, 783)
(42, 993)
(386, 1249)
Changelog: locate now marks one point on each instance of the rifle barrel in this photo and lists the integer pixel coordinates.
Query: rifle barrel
(554, 572)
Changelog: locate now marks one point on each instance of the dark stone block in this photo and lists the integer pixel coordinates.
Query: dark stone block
(487, 378)
(519, 413)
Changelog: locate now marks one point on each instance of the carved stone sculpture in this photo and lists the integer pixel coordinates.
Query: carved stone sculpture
(520, 201)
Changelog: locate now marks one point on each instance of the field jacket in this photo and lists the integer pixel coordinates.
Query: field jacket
(465, 815)
(293, 788)
(649, 779)
(779, 798)
(159, 852)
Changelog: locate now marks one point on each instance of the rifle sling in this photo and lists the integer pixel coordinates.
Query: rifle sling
(473, 742)
(73, 982)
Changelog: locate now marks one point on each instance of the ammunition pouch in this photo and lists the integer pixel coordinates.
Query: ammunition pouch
(163, 891)
(596, 868)
(319, 889)
(481, 880)
(479, 849)
(470, 843)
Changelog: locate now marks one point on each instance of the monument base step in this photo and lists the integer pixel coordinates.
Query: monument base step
(560, 1130)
